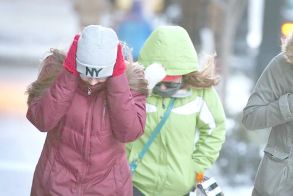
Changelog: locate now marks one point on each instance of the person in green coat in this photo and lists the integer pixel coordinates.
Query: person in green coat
(192, 136)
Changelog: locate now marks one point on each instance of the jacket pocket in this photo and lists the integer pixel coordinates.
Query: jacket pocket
(275, 154)
(272, 171)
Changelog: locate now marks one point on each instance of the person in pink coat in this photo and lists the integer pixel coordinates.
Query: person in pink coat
(88, 110)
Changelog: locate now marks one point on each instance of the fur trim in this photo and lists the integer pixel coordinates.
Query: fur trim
(53, 63)
(154, 74)
(136, 78)
(287, 48)
(50, 67)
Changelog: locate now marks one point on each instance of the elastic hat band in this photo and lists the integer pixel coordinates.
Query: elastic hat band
(95, 72)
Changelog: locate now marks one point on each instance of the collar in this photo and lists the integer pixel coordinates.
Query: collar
(182, 93)
(89, 89)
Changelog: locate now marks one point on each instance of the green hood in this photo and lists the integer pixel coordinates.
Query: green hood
(172, 47)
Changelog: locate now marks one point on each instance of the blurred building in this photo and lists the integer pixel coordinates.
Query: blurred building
(91, 11)
(134, 28)
(271, 33)
(287, 17)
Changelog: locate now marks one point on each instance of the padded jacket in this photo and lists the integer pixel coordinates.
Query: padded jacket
(270, 106)
(86, 130)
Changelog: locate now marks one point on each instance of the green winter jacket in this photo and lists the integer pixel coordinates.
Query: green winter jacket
(191, 138)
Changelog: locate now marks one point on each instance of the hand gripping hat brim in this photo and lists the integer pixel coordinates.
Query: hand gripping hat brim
(96, 51)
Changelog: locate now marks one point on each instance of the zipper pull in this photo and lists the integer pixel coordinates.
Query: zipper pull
(89, 91)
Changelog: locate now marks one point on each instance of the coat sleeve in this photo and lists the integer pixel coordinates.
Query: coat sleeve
(267, 106)
(45, 112)
(127, 109)
(211, 125)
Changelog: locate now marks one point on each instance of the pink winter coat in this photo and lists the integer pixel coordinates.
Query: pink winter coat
(84, 152)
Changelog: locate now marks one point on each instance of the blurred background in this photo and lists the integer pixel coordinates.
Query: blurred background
(244, 34)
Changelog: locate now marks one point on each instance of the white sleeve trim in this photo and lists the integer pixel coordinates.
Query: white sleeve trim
(150, 108)
(189, 108)
(207, 117)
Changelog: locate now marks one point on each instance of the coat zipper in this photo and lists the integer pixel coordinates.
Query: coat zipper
(89, 91)
(163, 103)
(88, 130)
(86, 151)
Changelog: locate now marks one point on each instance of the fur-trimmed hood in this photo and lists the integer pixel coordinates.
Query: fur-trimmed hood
(53, 64)
(287, 48)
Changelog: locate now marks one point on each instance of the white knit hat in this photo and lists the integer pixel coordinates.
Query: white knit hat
(96, 51)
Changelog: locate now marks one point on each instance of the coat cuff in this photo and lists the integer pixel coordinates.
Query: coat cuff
(286, 106)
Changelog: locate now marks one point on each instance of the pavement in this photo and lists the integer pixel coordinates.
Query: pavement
(28, 29)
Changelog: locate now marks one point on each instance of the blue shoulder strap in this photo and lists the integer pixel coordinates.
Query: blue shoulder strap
(155, 133)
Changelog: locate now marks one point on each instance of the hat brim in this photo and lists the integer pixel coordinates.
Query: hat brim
(94, 72)
(171, 78)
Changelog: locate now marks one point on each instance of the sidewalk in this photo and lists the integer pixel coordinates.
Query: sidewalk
(28, 29)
